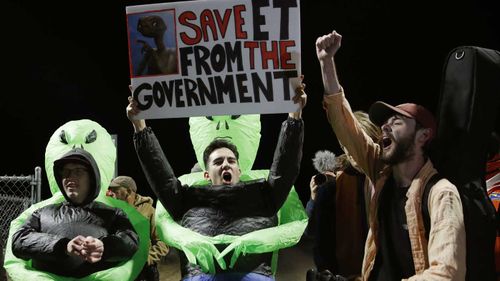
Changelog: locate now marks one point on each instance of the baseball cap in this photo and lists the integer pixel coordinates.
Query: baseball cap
(380, 111)
(124, 181)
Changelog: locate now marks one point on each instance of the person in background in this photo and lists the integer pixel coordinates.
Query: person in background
(124, 188)
(325, 163)
(321, 210)
(342, 210)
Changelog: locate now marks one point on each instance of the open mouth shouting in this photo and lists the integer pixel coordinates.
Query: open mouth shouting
(226, 177)
(386, 142)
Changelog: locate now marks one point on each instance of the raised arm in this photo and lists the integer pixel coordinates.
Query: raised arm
(288, 153)
(155, 165)
(339, 113)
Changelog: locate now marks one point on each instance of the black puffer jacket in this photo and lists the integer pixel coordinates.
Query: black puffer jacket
(45, 234)
(235, 210)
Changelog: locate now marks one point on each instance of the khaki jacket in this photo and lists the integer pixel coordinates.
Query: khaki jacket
(158, 248)
(443, 256)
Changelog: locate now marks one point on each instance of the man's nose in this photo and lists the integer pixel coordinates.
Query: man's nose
(386, 128)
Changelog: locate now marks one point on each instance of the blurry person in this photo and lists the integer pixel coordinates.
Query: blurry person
(341, 210)
(124, 188)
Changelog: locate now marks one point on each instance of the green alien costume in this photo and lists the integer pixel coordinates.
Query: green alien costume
(244, 132)
(93, 138)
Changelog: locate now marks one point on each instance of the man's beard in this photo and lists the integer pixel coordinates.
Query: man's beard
(403, 151)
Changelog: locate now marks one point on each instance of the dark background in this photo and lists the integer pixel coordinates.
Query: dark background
(68, 60)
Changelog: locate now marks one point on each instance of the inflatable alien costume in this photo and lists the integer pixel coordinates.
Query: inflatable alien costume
(202, 250)
(94, 139)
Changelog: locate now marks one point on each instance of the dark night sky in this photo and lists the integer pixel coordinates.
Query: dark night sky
(68, 60)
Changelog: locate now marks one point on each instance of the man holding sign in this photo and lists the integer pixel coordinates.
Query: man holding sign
(226, 206)
(233, 57)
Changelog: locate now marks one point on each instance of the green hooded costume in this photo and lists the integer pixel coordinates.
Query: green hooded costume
(93, 138)
(244, 132)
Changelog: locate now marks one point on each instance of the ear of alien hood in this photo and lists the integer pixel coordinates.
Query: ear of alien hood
(242, 130)
(87, 135)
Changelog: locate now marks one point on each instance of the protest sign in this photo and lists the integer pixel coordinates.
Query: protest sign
(217, 57)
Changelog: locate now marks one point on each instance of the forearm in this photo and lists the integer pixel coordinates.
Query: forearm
(158, 172)
(286, 160)
(41, 246)
(139, 125)
(446, 246)
(351, 135)
(122, 243)
(330, 77)
(121, 246)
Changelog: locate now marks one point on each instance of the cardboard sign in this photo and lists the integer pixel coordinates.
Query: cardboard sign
(218, 57)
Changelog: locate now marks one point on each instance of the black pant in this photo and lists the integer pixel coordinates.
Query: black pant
(149, 273)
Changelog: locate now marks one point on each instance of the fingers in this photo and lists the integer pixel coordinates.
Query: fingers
(75, 246)
(74, 249)
(312, 183)
(328, 40)
(93, 244)
(300, 96)
(93, 257)
(132, 108)
(301, 87)
(93, 249)
(88, 248)
(77, 241)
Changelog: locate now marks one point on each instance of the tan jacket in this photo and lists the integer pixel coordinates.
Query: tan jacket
(443, 256)
(158, 248)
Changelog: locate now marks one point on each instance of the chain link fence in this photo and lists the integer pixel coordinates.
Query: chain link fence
(17, 193)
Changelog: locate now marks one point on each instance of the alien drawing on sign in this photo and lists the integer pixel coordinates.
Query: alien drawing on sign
(159, 60)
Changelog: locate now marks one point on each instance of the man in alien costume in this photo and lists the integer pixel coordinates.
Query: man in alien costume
(244, 132)
(94, 139)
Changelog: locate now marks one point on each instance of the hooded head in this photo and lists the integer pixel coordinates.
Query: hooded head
(77, 176)
(88, 139)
